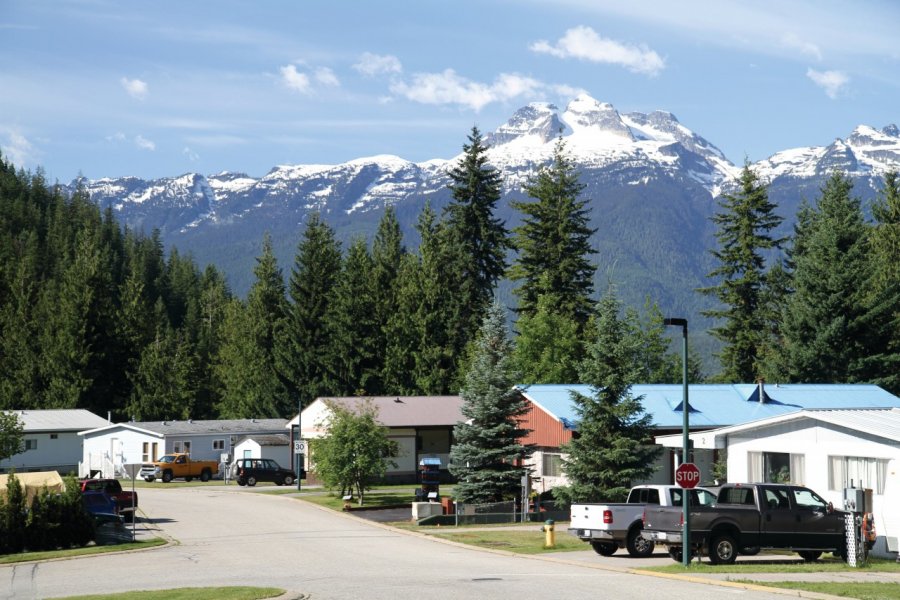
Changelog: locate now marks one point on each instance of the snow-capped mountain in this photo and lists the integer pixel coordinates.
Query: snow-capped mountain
(866, 152)
(651, 181)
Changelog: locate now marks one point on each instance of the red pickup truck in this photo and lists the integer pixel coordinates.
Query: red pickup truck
(126, 501)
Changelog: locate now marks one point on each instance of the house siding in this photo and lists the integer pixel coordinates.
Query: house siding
(545, 430)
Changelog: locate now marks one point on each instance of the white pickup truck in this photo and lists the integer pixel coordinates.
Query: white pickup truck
(608, 527)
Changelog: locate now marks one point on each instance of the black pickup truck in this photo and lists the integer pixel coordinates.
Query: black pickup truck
(752, 515)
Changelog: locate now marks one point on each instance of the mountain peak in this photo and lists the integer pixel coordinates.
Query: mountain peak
(586, 113)
(538, 120)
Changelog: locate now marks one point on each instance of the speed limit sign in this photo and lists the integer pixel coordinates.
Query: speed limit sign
(299, 446)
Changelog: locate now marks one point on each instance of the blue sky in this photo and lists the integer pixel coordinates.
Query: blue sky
(111, 88)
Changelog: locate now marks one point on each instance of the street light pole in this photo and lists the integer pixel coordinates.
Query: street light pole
(685, 440)
(301, 455)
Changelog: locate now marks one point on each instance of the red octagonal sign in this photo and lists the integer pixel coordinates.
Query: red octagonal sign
(687, 475)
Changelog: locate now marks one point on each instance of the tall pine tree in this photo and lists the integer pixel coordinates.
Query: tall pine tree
(488, 452)
(744, 234)
(554, 242)
(303, 348)
(475, 240)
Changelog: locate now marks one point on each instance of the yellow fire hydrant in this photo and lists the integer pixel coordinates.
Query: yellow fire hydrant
(549, 534)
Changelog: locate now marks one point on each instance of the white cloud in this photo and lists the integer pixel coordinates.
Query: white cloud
(135, 87)
(832, 82)
(190, 154)
(372, 65)
(18, 150)
(584, 43)
(143, 143)
(326, 76)
(295, 80)
(793, 41)
(449, 88)
(116, 137)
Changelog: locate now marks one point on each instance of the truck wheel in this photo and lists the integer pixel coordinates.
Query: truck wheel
(809, 555)
(676, 553)
(750, 550)
(242, 481)
(251, 481)
(722, 549)
(604, 548)
(288, 480)
(637, 545)
(188, 479)
(149, 479)
(167, 476)
(205, 475)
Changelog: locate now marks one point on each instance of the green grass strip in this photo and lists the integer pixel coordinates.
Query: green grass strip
(520, 542)
(8, 559)
(864, 591)
(825, 565)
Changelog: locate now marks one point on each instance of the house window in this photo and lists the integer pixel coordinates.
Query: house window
(776, 467)
(551, 465)
(53, 436)
(182, 447)
(31, 444)
(145, 452)
(218, 444)
(856, 471)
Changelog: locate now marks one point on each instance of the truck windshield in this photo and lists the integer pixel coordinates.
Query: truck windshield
(166, 459)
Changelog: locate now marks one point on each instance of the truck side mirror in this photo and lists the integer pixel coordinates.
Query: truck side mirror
(830, 508)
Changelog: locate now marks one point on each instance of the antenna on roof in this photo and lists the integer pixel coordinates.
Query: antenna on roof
(398, 400)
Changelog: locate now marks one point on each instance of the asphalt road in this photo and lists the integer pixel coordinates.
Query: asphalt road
(240, 537)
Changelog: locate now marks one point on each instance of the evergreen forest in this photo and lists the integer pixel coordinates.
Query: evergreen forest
(97, 316)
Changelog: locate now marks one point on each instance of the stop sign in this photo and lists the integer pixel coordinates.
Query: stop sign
(687, 475)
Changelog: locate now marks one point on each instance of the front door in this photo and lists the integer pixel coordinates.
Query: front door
(778, 522)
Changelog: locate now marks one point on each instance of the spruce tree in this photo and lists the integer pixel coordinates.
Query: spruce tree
(744, 234)
(832, 331)
(475, 240)
(252, 386)
(886, 234)
(166, 380)
(614, 443)
(304, 341)
(488, 451)
(387, 256)
(553, 242)
(354, 330)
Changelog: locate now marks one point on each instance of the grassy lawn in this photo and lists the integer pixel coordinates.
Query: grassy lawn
(777, 566)
(863, 591)
(521, 542)
(382, 495)
(220, 593)
(7, 559)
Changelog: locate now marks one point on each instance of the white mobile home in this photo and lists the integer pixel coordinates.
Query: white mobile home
(51, 441)
(107, 449)
(825, 450)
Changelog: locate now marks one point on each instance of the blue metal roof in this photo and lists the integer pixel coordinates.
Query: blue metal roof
(718, 405)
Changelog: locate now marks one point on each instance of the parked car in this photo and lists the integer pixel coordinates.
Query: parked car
(251, 470)
(125, 500)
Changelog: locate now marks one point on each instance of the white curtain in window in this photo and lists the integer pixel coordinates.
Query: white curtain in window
(836, 473)
(754, 467)
(798, 469)
(881, 467)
